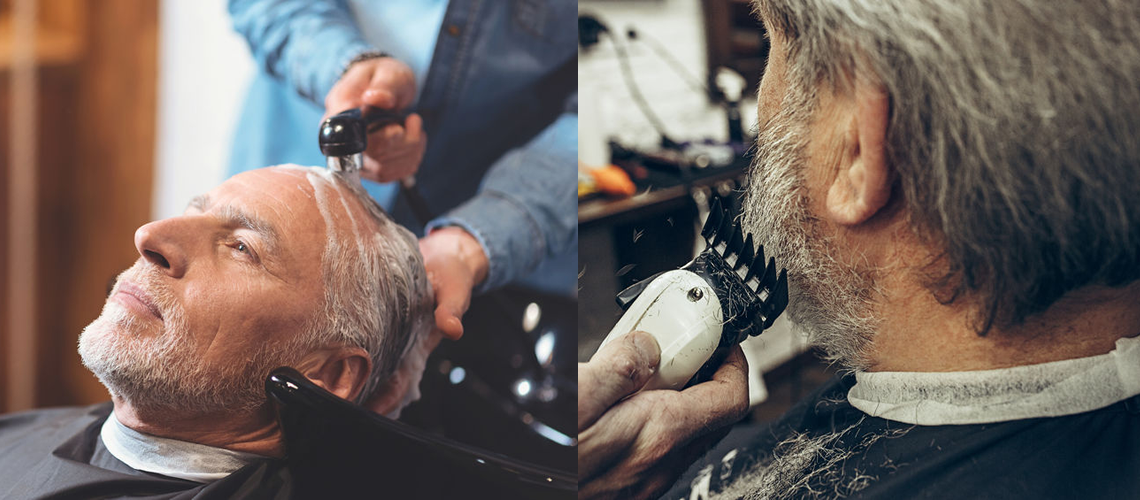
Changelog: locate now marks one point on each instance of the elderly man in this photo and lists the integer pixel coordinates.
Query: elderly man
(284, 266)
(954, 188)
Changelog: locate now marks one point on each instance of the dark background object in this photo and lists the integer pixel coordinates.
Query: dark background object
(338, 450)
(590, 30)
(734, 39)
(473, 434)
(471, 387)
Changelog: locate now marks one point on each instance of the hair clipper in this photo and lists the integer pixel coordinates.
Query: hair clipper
(699, 312)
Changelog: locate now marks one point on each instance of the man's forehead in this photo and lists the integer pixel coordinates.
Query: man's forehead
(276, 195)
(309, 198)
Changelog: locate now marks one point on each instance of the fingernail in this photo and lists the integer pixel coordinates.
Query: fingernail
(646, 345)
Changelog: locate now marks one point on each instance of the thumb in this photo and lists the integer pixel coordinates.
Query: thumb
(617, 370)
(453, 296)
(448, 323)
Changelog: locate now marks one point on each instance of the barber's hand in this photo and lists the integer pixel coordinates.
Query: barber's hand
(394, 151)
(455, 263)
(637, 447)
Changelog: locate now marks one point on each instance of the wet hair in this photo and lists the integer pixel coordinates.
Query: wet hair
(377, 294)
(1014, 130)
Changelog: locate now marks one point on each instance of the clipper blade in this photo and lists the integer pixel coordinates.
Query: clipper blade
(752, 292)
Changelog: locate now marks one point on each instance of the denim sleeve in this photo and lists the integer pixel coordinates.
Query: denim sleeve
(527, 205)
(306, 43)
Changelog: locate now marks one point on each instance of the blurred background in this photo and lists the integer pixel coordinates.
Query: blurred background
(667, 122)
(112, 113)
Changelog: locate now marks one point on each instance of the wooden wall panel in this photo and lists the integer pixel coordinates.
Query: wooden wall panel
(96, 114)
(5, 110)
(113, 174)
(57, 252)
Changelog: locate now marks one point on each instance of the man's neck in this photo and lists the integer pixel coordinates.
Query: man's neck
(255, 432)
(919, 334)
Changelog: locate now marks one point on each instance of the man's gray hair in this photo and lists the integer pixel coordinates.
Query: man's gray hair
(1014, 129)
(377, 293)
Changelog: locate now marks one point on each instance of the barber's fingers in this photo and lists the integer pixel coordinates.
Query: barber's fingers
(451, 300)
(638, 447)
(378, 98)
(611, 441)
(383, 82)
(414, 130)
(392, 86)
(644, 475)
(452, 296)
(349, 92)
(722, 400)
(681, 416)
(395, 151)
(617, 370)
(449, 322)
(456, 262)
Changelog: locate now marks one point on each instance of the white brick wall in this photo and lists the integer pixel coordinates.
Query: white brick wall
(606, 108)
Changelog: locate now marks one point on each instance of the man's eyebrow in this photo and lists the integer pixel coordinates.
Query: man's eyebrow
(235, 216)
(199, 202)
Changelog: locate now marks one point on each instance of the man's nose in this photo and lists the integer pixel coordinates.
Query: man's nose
(158, 242)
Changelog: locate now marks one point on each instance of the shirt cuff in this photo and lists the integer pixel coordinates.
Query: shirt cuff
(510, 238)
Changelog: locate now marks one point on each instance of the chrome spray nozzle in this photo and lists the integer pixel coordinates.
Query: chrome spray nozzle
(344, 136)
(346, 164)
(343, 139)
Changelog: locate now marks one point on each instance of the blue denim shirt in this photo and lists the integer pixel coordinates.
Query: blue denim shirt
(499, 103)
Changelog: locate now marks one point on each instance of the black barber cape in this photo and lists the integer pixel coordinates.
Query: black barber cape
(58, 454)
(1088, 455)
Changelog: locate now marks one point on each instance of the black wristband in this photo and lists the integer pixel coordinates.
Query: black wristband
(363, 56)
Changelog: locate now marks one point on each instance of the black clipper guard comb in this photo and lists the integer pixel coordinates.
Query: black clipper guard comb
(751, 293)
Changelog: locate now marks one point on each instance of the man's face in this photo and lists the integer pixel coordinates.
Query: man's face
(218, 297)
(829, 298)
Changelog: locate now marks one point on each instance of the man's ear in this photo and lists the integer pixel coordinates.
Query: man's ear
(341, 371)
(863, 185)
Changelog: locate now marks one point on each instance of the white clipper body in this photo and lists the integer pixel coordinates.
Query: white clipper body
(683, 313)
(703, 310)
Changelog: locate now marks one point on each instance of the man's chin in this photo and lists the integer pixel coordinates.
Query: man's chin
(158, 372)
(131, 356)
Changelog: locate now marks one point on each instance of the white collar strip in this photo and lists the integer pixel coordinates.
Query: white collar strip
(171, 457)
(1044, 390)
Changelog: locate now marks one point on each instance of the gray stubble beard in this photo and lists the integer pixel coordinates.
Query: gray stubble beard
(160, 371)
(829, 301)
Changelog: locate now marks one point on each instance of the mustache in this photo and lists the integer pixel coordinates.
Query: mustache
(147, 279)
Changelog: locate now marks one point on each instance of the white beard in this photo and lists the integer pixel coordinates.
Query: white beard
(156, 367)
(828, 301)
(807, 467)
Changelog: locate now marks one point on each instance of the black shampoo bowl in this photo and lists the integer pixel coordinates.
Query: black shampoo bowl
(336, 449)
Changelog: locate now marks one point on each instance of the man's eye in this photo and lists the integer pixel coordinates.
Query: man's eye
(249, 254)
(242, 247)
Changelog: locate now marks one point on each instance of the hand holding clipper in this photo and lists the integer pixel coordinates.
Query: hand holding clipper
(699, 312)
